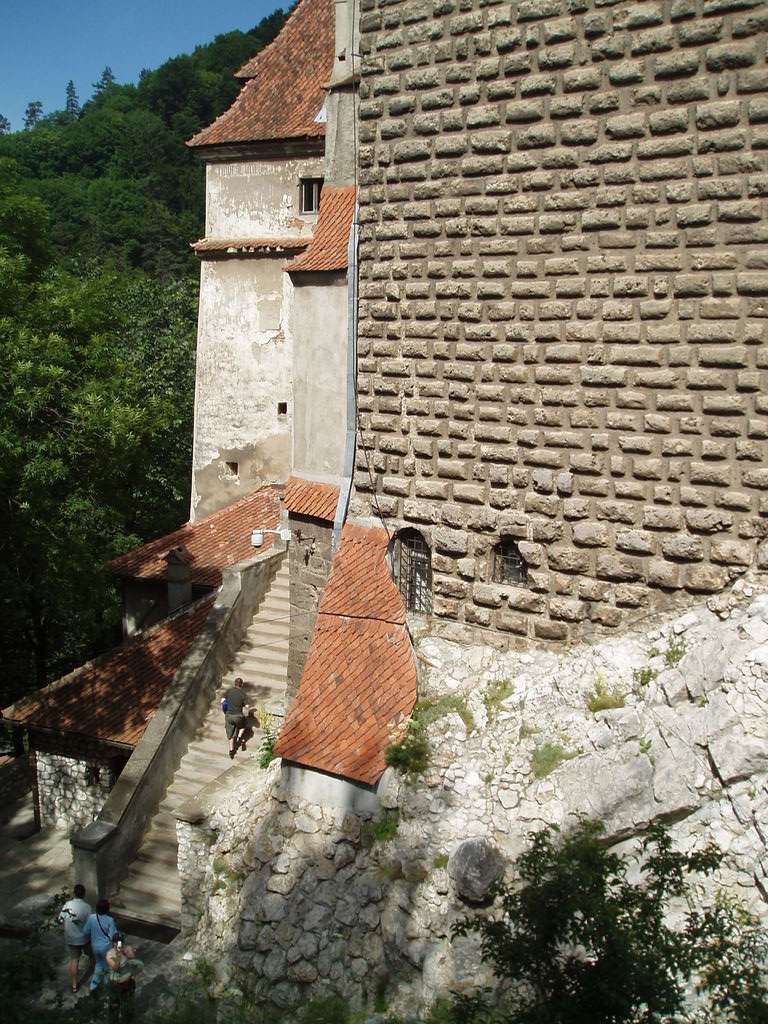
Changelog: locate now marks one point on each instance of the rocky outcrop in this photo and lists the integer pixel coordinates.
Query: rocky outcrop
(668, 722)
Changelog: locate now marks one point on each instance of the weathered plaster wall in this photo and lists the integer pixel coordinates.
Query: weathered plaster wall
(74, 778)
(258, 198)
(243, 373)
(319, 325)
(244, 342)
(309, 565)
(564, 290)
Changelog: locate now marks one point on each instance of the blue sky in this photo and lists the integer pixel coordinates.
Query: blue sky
(44, 43)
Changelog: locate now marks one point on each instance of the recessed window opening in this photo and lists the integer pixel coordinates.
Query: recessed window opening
(282, 408)
(310, 189)
(233, 468)
(412, 570)
(509, 566)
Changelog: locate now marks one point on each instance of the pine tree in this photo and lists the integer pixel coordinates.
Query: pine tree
(32, 114)
(107, 79)
(73, 103)
(5, 125)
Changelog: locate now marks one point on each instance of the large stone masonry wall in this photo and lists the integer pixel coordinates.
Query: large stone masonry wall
(563, 298)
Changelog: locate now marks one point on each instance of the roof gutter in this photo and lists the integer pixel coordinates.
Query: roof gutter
(349, 447)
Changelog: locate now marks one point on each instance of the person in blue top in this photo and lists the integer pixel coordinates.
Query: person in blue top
(99, 928)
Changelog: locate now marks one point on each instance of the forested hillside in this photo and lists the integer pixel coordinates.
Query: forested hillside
(98, 305)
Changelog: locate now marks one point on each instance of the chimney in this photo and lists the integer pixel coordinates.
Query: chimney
(179, 577)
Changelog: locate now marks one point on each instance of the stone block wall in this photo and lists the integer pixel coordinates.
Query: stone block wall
(73, 778)
(563, 298)
(310, 557)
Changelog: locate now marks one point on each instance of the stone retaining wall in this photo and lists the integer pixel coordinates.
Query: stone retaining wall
(563, 299)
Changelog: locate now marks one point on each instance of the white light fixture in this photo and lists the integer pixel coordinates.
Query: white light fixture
(257, 536)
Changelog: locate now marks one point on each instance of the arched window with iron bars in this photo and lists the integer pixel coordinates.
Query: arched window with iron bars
(411, 560)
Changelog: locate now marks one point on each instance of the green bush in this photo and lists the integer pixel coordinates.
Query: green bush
(547, 757)
(603, 699)
(643, 676)
(675, 651)
(411, 755)
(381, 829)
(267, 749)
(494, 694)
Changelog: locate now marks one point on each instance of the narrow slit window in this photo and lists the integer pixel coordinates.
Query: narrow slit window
(509, 566)
(282, 408)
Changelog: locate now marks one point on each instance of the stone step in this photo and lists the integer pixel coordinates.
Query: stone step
(151, 890)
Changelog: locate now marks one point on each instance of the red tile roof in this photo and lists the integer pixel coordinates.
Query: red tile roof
(248, 245)
(360, 584)
(328, 248)
(306, 498)
(220, 539)
(114, 698)
(285, 92)
(359, 682)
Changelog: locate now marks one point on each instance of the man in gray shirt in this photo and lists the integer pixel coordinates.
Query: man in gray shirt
(234, 716)
(74, 914)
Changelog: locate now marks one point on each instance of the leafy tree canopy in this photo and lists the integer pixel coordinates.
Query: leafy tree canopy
(131, 138)
(96, 386)
(32, 114)
(579, 941)
(98, 205)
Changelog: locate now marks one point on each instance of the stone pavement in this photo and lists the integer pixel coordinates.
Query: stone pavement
(37, 866)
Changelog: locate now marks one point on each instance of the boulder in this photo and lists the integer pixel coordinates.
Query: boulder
(473, 868)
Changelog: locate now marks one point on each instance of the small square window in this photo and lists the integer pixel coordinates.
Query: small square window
(509, 566)
(233, 468)
(282, 408)
(310, 189)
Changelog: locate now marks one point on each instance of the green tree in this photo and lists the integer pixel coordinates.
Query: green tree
(107, 79)
(32, 114)
(72, 106)
(578, 942)
(96, 375)
(5, 125)
(121, 185)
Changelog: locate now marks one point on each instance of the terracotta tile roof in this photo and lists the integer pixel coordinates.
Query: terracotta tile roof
(221, 539)
(328, 249)
(360, 584)
(285, 92)
(306, 498)
(114, 698)
(248, 245)
(359, 682)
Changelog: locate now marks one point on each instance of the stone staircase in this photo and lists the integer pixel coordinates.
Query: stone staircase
(150, 891)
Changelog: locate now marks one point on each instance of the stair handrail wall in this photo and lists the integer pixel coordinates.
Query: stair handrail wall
(103, 851)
